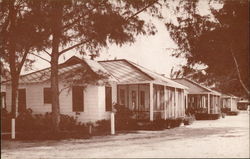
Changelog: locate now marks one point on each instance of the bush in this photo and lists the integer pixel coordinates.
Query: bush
(188, 120)
(205, 116)
(103, 126)
(5, 120)
(175, 122)
(232, 113)
(39, 126)
(124, 118)
(225, 110)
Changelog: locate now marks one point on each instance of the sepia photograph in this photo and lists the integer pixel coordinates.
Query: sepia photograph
(124, 79)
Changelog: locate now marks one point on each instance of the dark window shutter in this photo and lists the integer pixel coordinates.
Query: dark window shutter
(47, 96)
(21, 100)
(108, 99)
(77, 99)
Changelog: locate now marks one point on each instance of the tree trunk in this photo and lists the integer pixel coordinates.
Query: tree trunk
(12, 57)
(14, 87)
(56, 33)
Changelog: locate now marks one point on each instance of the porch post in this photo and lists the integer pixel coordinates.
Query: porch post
(165, 102)
(175, 103)
(151, 101)
(231, 104)
(208, 103)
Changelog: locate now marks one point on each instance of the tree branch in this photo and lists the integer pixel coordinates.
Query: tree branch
(46, 52)
(19, 67)
(40, 57)
(81, 43)
(238, 71)
(74, 46)
(141, 10)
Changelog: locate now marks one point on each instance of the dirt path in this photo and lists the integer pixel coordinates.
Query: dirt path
(228, 137)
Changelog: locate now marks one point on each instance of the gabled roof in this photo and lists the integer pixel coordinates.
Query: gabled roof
(126, 72)
(229, 96)
(122, 71)
(159, 77)
(70, 65)
(194, 87)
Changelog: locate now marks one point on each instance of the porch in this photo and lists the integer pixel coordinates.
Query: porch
(204, 103)
(152, 101)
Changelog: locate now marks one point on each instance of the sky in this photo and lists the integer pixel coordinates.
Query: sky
(151, 52)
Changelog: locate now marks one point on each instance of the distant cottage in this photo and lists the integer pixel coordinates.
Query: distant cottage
(150, 95)
(201, 99)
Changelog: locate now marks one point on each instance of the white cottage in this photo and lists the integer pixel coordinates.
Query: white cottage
(200, 98)
(229, 102)
(148, 94)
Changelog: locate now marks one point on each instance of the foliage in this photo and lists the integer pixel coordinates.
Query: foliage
(188, 120)
(103, 126)
(86, 26)
(214, 41)
(18, 37)
(39, 126)
(206, 116)
(124, 118)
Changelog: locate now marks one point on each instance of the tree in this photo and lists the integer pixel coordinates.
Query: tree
(86, 26)
(220, 42)
(18, 39)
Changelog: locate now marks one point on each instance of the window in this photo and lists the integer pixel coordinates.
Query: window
(108, 99)
(77, 99)
(47, 96)
(21, 100)
(3, 99)
(122, 96)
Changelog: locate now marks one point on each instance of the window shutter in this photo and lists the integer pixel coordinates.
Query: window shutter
(108, 99)
(21, 100)
(47, 96)
(77, 99)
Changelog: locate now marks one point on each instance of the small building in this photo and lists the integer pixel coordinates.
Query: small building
(229, 102)
(200, 98)
(243, 104)
(3, 93)
(149, 95)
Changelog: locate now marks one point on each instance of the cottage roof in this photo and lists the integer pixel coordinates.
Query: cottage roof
(127, 71)
(194, 87)
(70, 65)
(122, 70)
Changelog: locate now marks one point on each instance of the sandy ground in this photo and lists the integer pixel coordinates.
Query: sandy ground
(224, 138)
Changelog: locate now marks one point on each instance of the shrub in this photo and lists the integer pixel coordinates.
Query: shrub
(188, 120)
(124, 118)
(225, 110)
(232, 113)
(103, 126)
(39, 126)
(205, 116)
(5, 120)
(175, 122)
